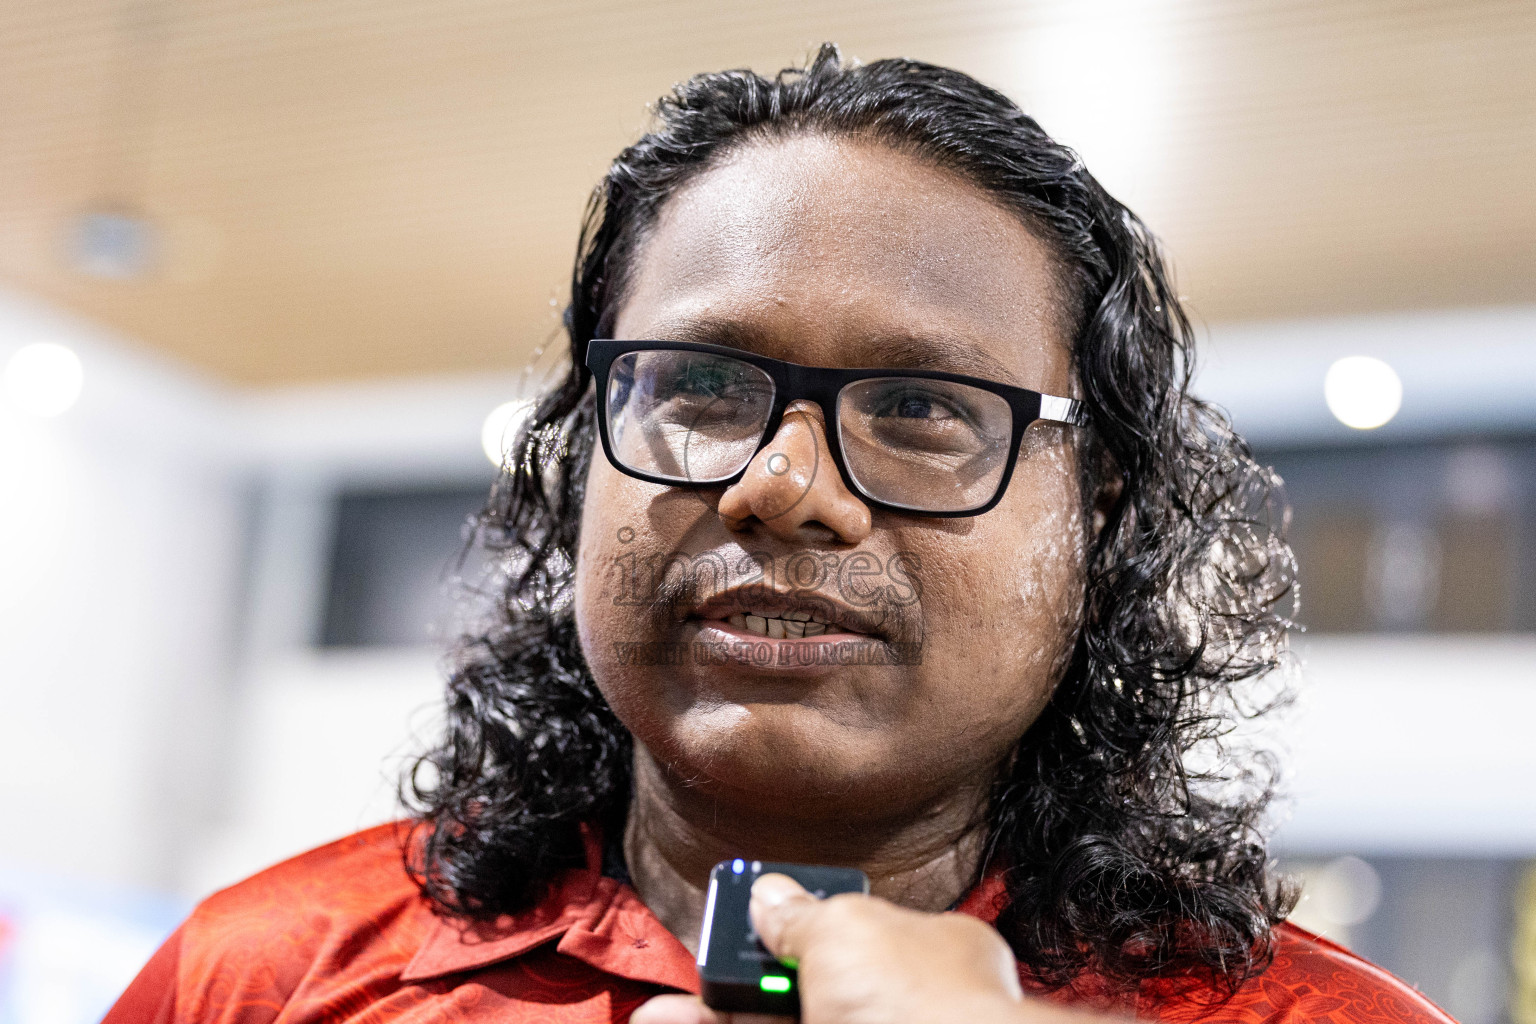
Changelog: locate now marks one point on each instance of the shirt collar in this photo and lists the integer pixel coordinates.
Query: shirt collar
(602, 922)
(596, 919)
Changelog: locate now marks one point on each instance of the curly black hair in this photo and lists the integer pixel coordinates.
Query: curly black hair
(1132, 837)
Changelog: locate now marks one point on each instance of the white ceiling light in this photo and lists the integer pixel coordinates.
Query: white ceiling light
(43, 379)
(1362, 392)
(501, 428)
(1100, 76)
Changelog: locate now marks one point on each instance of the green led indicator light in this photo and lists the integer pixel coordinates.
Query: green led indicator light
(774, 983)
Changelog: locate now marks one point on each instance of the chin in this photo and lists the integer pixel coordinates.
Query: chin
(785, 759)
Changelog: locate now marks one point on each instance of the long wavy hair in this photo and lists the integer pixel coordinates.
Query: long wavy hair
(1132, 835)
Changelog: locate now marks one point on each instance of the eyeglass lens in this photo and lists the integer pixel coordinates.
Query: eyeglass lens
(698, 417)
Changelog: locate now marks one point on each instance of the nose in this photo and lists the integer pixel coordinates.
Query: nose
(792, 488)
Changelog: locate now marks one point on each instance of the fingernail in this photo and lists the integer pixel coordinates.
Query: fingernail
(774, 889)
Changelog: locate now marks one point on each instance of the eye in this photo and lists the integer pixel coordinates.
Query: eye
(926, 417)
(698, 381)
(915, 402)
(914, 406)
(706, 380)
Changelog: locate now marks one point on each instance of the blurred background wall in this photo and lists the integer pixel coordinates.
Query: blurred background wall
(267, 269)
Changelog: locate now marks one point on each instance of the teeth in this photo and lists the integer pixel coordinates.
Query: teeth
(793, 626)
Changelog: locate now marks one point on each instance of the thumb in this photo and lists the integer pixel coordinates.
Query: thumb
(781, 909)
(674, 1009)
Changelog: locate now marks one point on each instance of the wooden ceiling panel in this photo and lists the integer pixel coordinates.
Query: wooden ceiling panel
(352, 188)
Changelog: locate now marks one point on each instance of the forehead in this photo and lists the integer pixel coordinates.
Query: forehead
(834, 251)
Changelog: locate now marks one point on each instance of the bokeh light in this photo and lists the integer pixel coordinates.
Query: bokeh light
(501, 428)
(43, 379)
(1362, 392)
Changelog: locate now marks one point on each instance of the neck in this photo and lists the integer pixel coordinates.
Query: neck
(924, 859)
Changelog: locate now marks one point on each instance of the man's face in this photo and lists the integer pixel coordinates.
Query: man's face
(834, 253)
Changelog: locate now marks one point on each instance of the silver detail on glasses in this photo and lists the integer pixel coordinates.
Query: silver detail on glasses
(1062, 410)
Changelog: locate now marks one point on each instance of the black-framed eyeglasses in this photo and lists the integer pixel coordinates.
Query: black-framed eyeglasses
(922, 441)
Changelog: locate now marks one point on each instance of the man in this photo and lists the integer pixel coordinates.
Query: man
(873, 526)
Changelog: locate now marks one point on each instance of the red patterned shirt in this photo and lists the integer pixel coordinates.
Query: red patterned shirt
(342, 934)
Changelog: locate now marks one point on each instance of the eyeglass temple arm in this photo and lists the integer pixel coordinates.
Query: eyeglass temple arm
(1063, 410)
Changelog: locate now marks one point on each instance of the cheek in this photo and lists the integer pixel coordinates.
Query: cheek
(595, 546)
(1004, 605)
(628, 528)
(608, 533)
(608, 617)
(1049, 535)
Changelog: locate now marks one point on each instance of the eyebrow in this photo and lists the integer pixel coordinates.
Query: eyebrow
(938, 352)
(904, 350)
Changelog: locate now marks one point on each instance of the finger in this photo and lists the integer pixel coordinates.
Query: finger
(780, 908)
(675, 1009)
(681, 1009)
